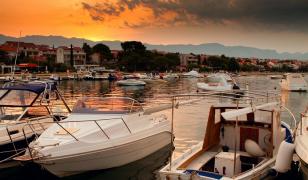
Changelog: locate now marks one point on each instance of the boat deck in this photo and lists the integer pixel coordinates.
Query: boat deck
(197, 163)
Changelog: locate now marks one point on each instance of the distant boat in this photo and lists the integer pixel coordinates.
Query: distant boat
(218, 82)
(55, 77)
(131, 82)
(100, 133)
(191, 74)
(170, 76)
(293, 82)
(276, 77)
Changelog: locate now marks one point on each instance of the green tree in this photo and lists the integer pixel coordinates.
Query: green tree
(133, 46)
(4, 57)
(104, 51)
(233, 65)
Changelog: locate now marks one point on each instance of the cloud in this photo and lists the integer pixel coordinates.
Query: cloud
(285, 14)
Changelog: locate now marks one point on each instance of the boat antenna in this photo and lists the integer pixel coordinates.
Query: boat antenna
(13, 73)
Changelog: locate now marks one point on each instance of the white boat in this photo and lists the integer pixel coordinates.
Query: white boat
(25, 112)
(301, 143)
(218, 82)
(170, 76)
(293, 82)
(100, 133)
(241, 142)
(131, 82)
(191, 74)
(55, 77)
(276, 77)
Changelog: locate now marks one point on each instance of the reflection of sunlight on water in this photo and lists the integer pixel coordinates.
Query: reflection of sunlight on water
(190, 120)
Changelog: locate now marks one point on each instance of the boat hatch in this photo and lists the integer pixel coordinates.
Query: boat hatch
(107, 105)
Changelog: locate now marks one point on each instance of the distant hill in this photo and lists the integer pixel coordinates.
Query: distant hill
(209, 48)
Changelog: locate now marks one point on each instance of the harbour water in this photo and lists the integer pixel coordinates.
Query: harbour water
(189, 125)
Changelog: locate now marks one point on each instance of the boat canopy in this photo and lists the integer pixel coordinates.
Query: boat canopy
(22, 95)
(107, 105)
(37, 88)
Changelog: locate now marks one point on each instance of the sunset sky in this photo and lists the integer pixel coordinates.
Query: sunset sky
(267, 24)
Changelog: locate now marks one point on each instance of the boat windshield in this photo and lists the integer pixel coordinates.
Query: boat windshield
(21, 113)
(17, 98)
(107, 105)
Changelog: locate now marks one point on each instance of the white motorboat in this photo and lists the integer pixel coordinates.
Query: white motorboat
(276, 77)
(55, 77)
(131, 82)
(191, 74)
(170, 76)
(242, 141)
(100, 133)
(218, 82)
(293, 82)
(301, 143)
(25, 113)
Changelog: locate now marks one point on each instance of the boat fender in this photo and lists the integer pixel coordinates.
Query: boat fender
(253, 148)
(284, 157)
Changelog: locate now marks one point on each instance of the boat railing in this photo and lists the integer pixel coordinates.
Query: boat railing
(241, 96)
(24, 134)
(96, 122)
(300, 124)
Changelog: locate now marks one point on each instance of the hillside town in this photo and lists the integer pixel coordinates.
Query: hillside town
(43, 58)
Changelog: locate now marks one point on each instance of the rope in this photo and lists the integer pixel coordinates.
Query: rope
(11, 157)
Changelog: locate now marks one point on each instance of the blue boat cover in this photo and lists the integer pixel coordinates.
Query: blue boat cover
(289, 136)
(37, 88)
(204, 173)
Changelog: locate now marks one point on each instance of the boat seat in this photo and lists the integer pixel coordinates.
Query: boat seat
(197, 163)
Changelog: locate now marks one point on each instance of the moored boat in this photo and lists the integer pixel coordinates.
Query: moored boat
(101, 133)
(218, 82)
(293, 82)
(301, 143)
(131, 82)
(191, 74)
(25, 114)
(242, 141)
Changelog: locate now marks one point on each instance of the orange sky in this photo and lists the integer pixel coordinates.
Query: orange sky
(69, 18)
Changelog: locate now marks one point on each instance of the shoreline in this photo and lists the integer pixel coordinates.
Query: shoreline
(64, 74)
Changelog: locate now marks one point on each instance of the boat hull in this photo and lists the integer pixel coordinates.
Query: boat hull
(206, 87)
(106, 158)
(8, 151)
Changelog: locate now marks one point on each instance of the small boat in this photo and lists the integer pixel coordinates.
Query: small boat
(191, 74)
(131, 82)
(100, 133)
(170, 76)
(54, 77)
(25, 113)
(242, 141)
(276, 77)
(218, 82)
(293, 82)
(301, 143)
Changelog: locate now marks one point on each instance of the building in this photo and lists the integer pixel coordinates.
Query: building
(29, 49)
(187, 59)
(63, 55)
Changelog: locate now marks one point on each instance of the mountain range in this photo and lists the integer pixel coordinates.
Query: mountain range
(207, 48)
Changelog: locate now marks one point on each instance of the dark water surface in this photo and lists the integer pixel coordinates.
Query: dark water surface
(188, 132)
